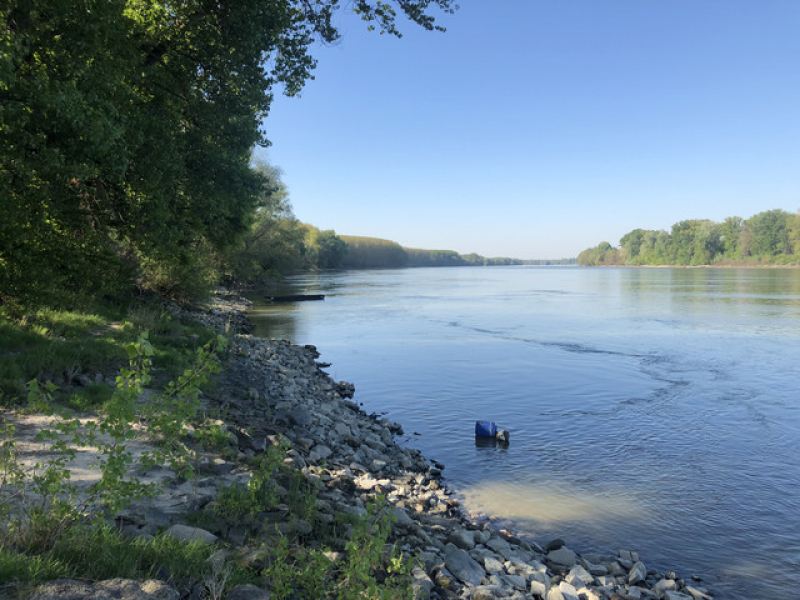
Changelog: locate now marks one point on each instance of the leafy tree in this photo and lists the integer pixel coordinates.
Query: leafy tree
(127, 125)
(324, 249)
(631, 245)
(793, 234)
(374, 253)
(730, 234)
(275, 243)
(770, 235)
(604, 254)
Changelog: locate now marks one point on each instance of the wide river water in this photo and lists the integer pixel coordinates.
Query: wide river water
(655, 410)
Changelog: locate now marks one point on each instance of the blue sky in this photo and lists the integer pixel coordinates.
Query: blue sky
(538, 128)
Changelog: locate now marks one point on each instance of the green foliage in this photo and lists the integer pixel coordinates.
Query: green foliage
(324, 249)
(260, 493)
(274, 245)
(96, 551)
(48, 344)
(366, 557)
(373, 253)
(604, 254)
(46, 504)
(377, 253)
(770, 237)
(127, 128)
(370, 570)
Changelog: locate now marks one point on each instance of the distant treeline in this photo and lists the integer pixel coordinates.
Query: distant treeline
(277, 244)
(767, 238)
(377, 253)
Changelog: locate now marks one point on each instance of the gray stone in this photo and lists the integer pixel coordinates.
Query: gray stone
(578, 576)
(502, 547)
(516, 581)
(402, 517)
(119, 589)
(185, 533)
(672, 595)
(462, 565)
(638, 573)
(482, 536)
(538, 589)
(429, 560)
(248, 592)
(462, 538)
(595, 569)
(664, 585)
(554, 545)
(301, 417)
(562, 556)
(485, 592)
(493, 565)
(698, 593)
(564, 591)
(341, 429)
(421, 583)
(320, 452)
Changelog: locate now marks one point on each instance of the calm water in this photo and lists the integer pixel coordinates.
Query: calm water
(650, 409)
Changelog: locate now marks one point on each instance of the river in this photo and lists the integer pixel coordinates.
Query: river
(656, 410)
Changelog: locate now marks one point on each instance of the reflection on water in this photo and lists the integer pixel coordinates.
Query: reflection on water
(549, 504)
(651, 409)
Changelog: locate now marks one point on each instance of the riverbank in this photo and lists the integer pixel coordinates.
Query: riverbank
(273, 390)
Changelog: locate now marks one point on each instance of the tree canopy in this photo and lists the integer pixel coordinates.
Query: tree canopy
(126, 126)
(771, 237)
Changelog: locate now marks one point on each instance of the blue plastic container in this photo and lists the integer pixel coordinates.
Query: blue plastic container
(485, 429)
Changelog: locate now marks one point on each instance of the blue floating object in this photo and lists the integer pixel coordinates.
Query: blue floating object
(485, 429)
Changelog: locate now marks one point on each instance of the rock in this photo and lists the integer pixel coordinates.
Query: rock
(301, 417)
(595, 569)
(564, 591)
(579, 577)
(484, 592)
(563, 556)
(664, 585)
(554, 545)
(698, 593)
(421, 583)
(185, 533)
(320, 452)
(538, 589)
(634, 593)
(248, 592)
(119, 589)
(493, 565)
(462, 565)
(462, 538)
(402, 517)
(672, 595)
(443, 577)
(638, 573)
(502, 547)
(516, 581)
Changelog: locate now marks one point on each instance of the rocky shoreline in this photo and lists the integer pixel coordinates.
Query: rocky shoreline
(273, 388)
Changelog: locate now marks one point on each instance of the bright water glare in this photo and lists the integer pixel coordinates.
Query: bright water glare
(656, 410)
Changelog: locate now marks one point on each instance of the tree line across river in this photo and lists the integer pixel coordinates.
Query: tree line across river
(768, 238)
(278, 243)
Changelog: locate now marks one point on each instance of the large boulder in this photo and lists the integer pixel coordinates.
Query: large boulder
(462, 565)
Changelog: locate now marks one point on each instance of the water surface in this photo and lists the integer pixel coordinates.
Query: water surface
(650, 409)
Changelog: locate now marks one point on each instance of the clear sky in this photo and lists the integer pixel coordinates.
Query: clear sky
(538, 128)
